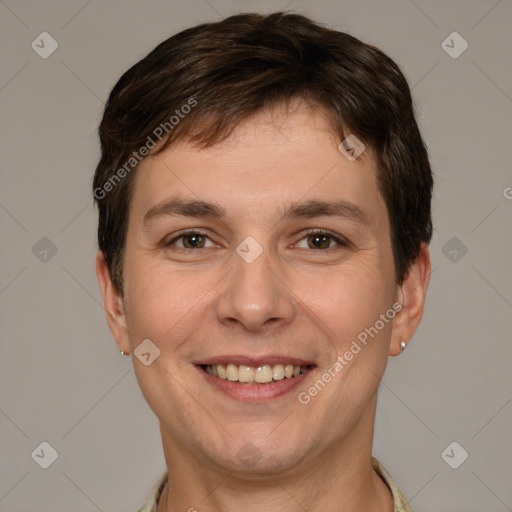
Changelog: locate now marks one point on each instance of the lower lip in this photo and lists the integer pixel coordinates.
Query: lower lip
(254, 392)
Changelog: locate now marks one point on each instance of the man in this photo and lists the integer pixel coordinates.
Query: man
(264, 219)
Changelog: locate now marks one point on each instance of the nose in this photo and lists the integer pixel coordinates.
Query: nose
(255, 295)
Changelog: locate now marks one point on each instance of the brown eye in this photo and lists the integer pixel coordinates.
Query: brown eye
(190, 240)
(319, 241)
(193, 241)
(322, 240)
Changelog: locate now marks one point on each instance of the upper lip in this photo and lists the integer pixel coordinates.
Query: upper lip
(239, 359)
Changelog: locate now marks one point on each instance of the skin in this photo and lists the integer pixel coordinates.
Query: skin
(294, 299)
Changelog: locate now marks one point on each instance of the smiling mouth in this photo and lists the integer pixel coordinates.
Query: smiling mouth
(261, 374)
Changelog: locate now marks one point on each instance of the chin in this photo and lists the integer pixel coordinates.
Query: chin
(257, 457)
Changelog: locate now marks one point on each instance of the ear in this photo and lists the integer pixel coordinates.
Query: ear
(113, 303)
(411, 295)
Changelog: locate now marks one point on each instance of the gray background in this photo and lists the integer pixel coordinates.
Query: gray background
(63, 380)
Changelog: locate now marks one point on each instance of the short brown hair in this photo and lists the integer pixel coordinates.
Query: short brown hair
(230, 70)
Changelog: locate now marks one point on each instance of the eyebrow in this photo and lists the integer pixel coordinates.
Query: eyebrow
(307, 209)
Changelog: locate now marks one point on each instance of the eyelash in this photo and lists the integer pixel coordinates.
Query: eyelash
(316, 231)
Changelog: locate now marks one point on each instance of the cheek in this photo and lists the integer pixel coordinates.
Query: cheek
(351, 298)
(163, 303)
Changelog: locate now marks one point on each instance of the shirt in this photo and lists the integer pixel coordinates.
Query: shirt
(400, 503)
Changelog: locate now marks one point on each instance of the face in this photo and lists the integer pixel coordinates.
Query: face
(269, 252)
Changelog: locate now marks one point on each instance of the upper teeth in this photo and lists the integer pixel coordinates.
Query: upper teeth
(261, 374)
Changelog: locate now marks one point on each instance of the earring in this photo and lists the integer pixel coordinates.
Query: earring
(403, 344)
(124, 354)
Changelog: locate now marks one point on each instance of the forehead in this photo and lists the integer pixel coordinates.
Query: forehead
(276, 157)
